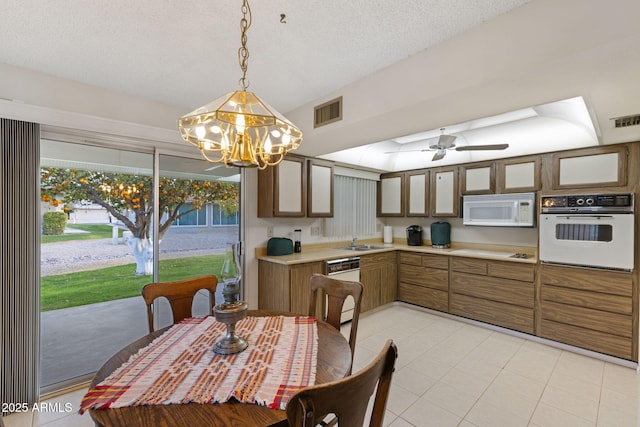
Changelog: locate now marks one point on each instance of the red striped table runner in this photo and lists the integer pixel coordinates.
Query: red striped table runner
(180, 367)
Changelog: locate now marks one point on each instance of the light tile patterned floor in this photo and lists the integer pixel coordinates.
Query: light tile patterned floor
(451, 373)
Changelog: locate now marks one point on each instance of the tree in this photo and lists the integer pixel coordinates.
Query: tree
(129, 199)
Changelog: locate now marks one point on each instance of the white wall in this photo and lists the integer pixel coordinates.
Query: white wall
(506, 236)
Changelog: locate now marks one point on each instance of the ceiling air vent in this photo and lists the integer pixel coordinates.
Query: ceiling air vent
(328, 112)
(623, 122)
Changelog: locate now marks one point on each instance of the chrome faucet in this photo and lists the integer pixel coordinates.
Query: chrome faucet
(353, 241)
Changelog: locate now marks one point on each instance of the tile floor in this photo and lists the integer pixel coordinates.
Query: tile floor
(452, 373)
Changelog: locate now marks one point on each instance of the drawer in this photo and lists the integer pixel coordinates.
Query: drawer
(608, 282)
(494, 289)
(424, 297)
(496, 313)
(409, 258)
(587, 318)
(370, 260)
(469, 265)
(424, 276)
(587, 299)
(591, 340)
(513, 270)
(435, 261)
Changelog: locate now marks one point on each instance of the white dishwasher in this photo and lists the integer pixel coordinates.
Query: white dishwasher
(344, 269)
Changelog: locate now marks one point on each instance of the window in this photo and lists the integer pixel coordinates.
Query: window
(354, 206)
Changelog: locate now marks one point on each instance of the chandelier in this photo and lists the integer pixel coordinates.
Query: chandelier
(239, 129)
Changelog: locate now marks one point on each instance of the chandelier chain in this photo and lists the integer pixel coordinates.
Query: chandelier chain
(243, 52)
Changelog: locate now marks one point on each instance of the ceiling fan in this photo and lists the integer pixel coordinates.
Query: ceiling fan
(446, 142)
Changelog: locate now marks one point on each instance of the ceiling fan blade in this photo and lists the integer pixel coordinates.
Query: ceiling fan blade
(446, 141)
(483, 147)
(439, 155)
(407, 151)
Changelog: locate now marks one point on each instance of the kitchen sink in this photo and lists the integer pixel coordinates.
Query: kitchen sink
(362, 247)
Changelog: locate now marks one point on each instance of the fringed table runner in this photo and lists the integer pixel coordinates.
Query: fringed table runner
(180, 366)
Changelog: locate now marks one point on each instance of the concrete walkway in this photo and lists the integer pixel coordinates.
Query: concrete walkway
(76, 341)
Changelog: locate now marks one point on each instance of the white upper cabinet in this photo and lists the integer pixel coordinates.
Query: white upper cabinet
(478, 178)
(444, 192)
(320, 188)
(390, 198)
(519, 175)
(282, 189)
(598, 166)
(417, 183)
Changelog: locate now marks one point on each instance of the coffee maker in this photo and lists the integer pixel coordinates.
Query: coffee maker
(414, 235)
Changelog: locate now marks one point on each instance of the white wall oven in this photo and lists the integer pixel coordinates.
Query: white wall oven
(595, 230)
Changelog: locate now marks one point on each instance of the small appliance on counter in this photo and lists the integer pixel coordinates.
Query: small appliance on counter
(414, 235)
(297, 246)
(277, 246)
(440, 235)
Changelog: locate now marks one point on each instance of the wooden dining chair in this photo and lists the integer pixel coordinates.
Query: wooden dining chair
(180, 295)
(347, 399)
(337, 292)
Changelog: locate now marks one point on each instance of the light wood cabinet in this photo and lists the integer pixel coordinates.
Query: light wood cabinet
(282, 189)
(592, 309)
(284, 287)
(518, 175)
(379, 279)
(478, 178)
(444, 192)
(500, 293)
(417, 197)
(423, 279)
(390, 195)
(591, 167)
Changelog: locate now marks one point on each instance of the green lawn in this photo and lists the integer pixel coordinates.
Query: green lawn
(111, 283)
(93, 231)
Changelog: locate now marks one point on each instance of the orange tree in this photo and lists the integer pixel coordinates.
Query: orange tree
(129, 199)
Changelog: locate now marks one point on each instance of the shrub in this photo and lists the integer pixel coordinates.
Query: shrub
(53, 223)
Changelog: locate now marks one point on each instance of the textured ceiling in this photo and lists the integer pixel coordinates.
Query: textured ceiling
(402, 67)
(184, 53)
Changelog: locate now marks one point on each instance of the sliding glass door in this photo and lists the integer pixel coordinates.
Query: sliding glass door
(99, 243)
(93, 201)
(200, 217)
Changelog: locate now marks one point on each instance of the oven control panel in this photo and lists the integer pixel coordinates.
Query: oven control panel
(587, 203)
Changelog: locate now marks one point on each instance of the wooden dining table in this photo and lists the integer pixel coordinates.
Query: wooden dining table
(333, 363)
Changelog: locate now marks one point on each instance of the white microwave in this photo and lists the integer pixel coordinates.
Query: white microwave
(499, 210)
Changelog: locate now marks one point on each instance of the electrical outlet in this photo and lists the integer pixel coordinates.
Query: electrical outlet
(315, 230)
(270, 231)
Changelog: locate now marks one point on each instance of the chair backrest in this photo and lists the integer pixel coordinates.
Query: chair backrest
(337, 292)
(180, 295)
(347, 398)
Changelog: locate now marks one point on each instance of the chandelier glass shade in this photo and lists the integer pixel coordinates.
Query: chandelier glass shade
(240, 129)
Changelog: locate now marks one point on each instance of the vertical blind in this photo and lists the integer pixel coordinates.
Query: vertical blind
(354, 208)
(19, 251)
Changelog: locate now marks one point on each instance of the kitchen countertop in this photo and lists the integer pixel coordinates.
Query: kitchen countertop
(324, 251)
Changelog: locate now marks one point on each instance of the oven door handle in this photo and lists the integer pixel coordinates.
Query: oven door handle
(586, 217)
